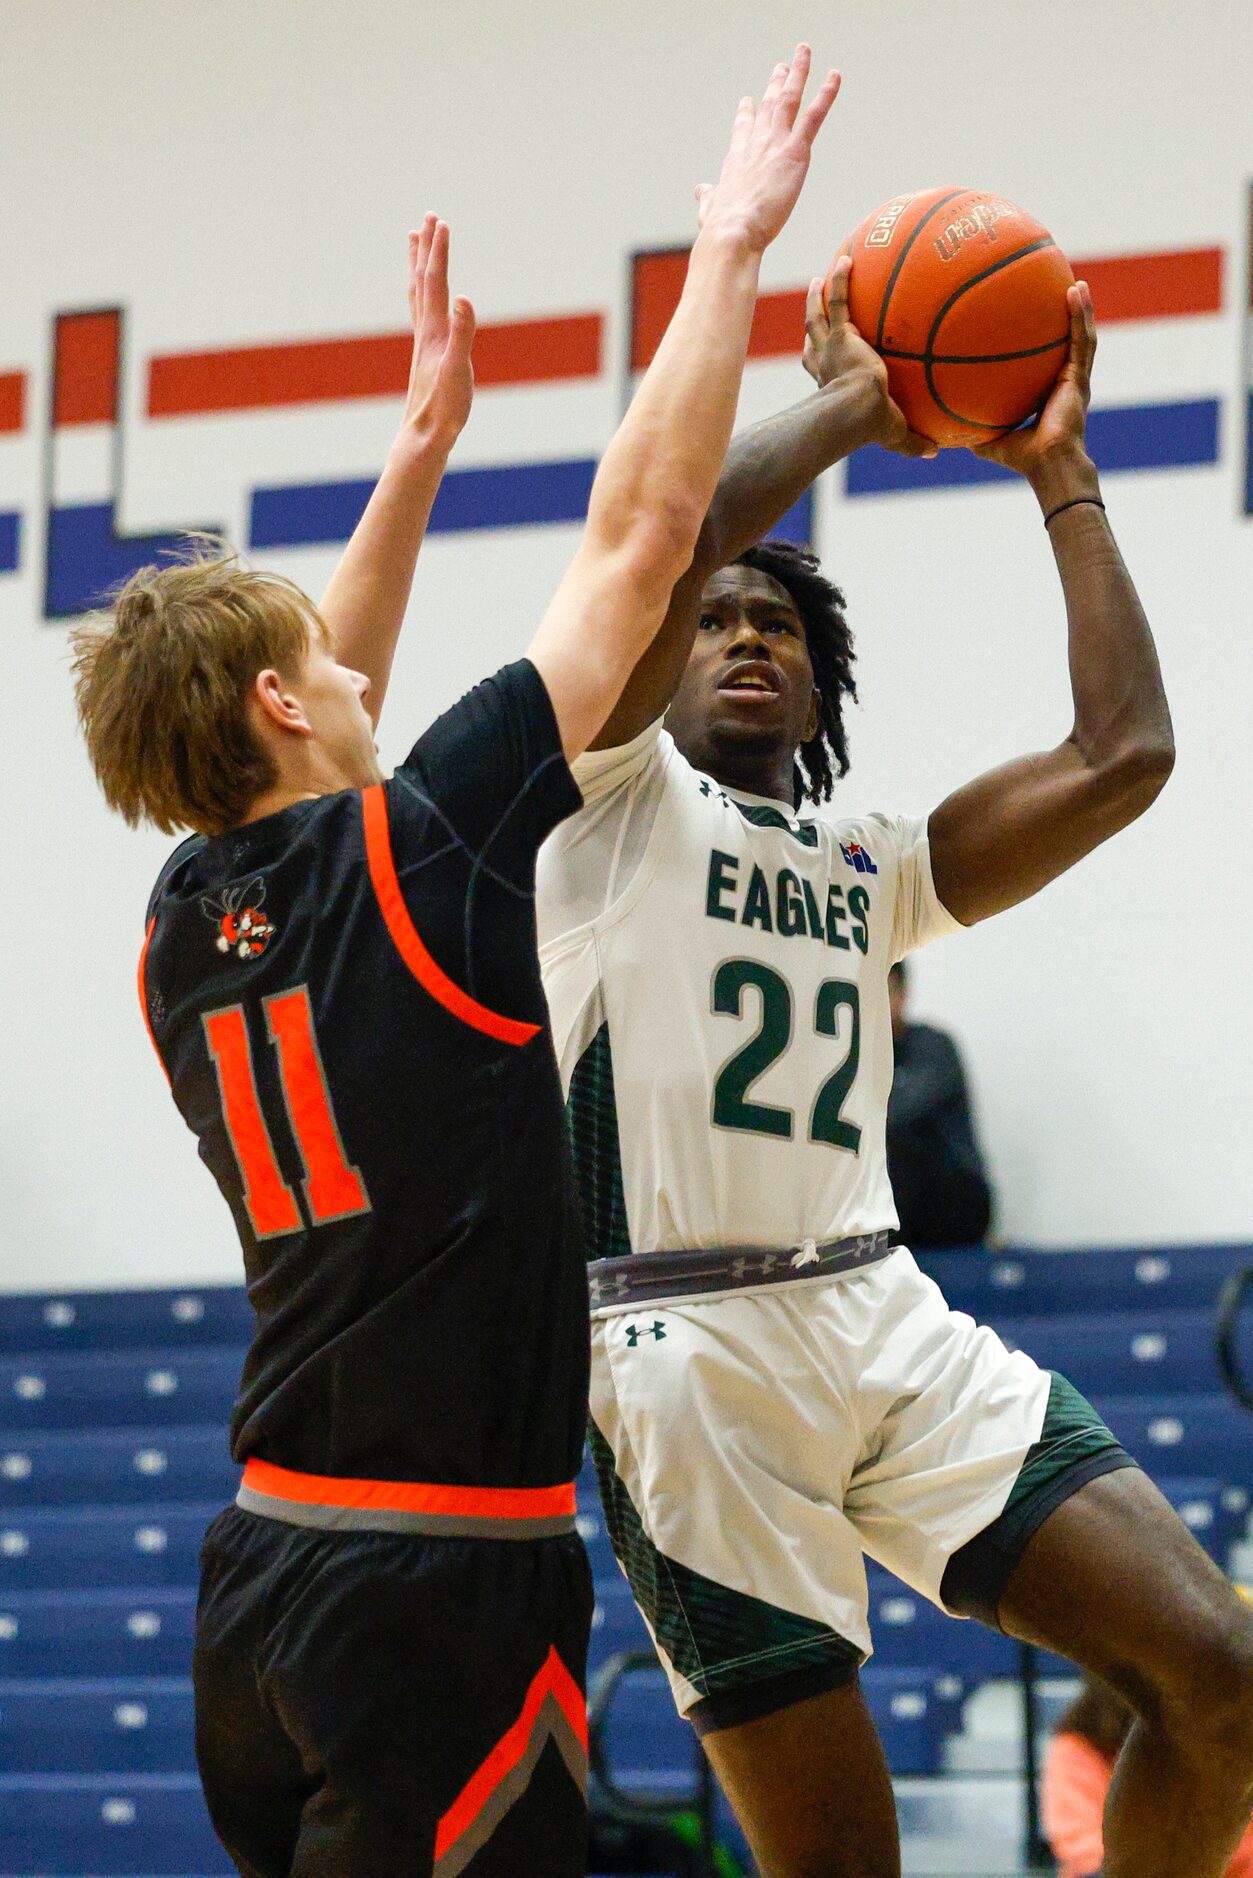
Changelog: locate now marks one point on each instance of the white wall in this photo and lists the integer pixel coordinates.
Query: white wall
(247, 172)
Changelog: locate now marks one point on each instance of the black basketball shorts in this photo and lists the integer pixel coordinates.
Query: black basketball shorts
(371, 1704)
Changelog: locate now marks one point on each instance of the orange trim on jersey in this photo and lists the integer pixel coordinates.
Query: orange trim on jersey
(410, 1496)
(378, 851)
(553, 1679)
(143, 996)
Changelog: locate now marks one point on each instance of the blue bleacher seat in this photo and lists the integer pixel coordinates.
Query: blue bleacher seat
(1028, 1283)
(648, 1747)
(117, 1466)
(617, 1627)
(1124, 1353)
(911, 1714)
(96, 1633)
(80, 1389)
(123, 1320)
(1215, 1514)
(105, 1824)
(1184, 1434)
(78, 1547)
(117, 1726)
(114, 1459)
(907, 1629)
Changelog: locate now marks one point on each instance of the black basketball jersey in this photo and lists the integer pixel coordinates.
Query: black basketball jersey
(346, 999)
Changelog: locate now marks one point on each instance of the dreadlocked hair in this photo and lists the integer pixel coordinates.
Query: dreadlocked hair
(821, 607)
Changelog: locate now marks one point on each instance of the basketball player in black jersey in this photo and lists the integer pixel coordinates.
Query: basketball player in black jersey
(341, 982)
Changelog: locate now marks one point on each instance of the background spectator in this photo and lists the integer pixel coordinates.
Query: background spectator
(937, 1172)
(1077, 1772)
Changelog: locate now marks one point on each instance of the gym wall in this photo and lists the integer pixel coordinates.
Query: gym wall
(218, 181)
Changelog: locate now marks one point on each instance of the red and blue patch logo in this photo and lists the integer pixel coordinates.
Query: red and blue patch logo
(857, 857)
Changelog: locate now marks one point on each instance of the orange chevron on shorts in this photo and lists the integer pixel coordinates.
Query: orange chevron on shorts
(554, 1708)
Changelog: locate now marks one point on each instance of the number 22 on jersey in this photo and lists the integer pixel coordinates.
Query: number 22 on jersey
(732, 1107)
(332, 1189)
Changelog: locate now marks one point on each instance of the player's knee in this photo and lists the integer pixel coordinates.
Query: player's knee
(1223, 1688)
(1203, 1696)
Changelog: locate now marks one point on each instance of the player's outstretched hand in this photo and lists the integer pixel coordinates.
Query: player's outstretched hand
(768, 157)
(441, 377)
(835, 351)
(1058, 432)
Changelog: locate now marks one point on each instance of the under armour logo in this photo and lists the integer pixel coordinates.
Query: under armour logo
(654, 1330)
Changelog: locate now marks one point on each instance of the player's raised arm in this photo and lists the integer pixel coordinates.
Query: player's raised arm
(1008, 833)
(657, 477)
(365, 603)
(768, 467)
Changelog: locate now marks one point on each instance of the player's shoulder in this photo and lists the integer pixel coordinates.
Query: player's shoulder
(174, 872)
(315, 834)
(603, 773)
(873, 841)
(513, 699)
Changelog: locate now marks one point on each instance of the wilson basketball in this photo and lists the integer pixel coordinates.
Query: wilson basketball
(964, 296)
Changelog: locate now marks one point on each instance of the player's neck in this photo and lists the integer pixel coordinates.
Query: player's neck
(756, 773)
(311, 774)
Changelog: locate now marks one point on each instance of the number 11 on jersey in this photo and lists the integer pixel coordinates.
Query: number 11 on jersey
(332, 1189)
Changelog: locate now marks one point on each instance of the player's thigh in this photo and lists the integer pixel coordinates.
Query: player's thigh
(1114, 1580)
(427, 1680)
(722, 1448)
(255, 1786)
(948, 1419)
(811, 1788)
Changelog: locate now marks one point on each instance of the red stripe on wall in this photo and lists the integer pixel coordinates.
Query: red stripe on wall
(1124, 287)
(85, 367)
(12, 400)
(1155, 286)
(656, 283)
(778, 325)
(319, 371)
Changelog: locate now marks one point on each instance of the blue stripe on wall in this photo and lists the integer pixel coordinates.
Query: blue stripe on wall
(10, 543)
(798, 524)
(87, 558)
(1120, 437)
(1248, 458)
(515, 495)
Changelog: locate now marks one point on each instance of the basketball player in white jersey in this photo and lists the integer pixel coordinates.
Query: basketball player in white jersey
(775, 1390)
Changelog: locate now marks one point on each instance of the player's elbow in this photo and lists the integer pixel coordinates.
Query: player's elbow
(1135, 775)
(652, 544)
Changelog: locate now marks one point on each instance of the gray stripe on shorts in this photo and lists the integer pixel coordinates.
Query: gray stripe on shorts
(367, 1519)
(656, 1277)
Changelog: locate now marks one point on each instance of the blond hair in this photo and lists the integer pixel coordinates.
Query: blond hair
(162, 683)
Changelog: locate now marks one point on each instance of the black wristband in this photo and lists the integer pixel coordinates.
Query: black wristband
(1074, 503)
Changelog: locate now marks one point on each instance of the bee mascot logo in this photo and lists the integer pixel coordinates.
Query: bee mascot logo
(242, 926)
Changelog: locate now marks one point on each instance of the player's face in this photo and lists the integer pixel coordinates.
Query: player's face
(333, 696)
(748, 692)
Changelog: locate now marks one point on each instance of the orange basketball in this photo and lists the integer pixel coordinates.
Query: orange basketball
(964, 296)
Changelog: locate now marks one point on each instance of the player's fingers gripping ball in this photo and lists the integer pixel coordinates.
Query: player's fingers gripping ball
(964, 297)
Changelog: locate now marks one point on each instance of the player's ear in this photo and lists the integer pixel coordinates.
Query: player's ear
(280, 706)
(814, 719)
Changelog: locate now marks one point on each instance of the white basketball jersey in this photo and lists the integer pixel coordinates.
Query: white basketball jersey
(716, 969)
